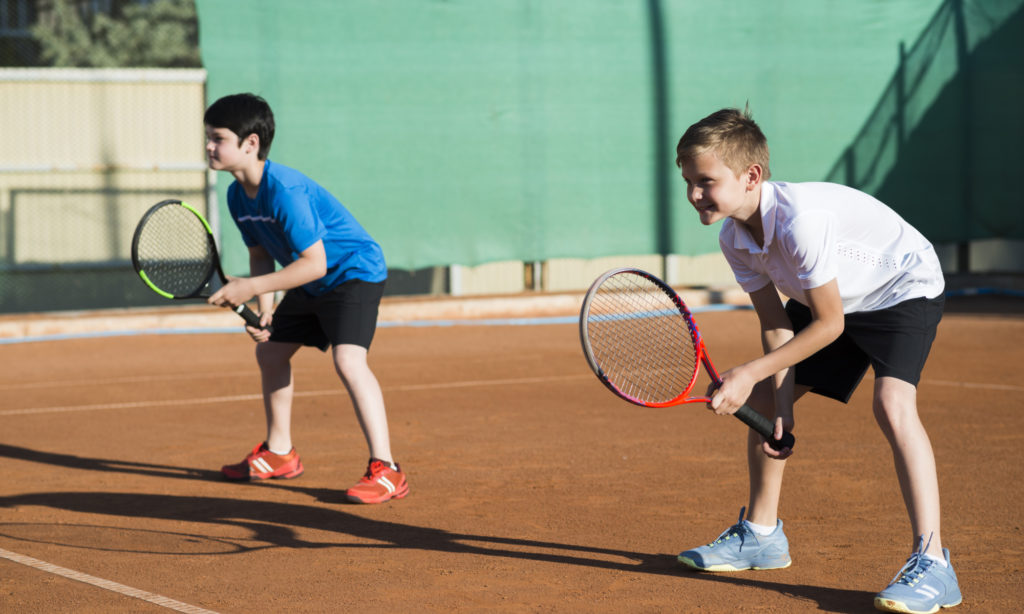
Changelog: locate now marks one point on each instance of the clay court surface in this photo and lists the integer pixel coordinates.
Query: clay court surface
(533, 488)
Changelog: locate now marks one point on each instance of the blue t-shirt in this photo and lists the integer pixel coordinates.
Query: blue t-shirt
(291, 212)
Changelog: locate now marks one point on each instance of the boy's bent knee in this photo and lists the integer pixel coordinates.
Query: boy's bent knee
(271, 353)
(895, 402)
(350, 360)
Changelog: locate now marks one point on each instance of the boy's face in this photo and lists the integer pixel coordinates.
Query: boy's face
(224, 152)
(716, 192)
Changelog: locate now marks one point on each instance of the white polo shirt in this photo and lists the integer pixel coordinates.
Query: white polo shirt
(817, 232)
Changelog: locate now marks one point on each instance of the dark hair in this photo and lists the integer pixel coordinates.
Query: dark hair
(244, 114)
(731, 134)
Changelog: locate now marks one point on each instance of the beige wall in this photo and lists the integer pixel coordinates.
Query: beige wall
(84, 152)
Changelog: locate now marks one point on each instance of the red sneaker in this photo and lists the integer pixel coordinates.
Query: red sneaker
(262, 464)
(381, 483)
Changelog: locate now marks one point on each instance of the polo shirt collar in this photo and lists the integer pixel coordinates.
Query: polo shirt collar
(768, 206)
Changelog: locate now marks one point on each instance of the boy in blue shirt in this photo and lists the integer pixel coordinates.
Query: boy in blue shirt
(333, 272)
(865, 289)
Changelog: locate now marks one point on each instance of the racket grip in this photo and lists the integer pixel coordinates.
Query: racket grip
(765, 427)
(250, 317)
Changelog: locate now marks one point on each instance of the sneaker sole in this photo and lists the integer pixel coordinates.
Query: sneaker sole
(889, 605)
(260, 477)
(398, 494)
(726, 567)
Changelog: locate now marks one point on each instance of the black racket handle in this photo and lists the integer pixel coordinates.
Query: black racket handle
(765, 427)
(250, 317)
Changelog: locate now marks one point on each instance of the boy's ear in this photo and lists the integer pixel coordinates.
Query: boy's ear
(251, 143)
(753, 176)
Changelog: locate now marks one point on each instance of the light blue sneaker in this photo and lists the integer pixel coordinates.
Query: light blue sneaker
(739, 548)
(922, 586)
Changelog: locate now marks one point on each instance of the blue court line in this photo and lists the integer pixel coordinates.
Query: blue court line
(428, 323)
(984, 292)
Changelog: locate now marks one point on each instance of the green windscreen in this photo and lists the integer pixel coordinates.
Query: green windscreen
(470, 132)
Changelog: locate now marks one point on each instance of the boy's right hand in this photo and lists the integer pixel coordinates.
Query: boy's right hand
(733, 392)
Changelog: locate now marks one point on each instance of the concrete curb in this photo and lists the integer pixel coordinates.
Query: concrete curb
(394, 310)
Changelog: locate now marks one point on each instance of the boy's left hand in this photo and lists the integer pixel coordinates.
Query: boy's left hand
(260, 335)
(782, 424)
(237, 291)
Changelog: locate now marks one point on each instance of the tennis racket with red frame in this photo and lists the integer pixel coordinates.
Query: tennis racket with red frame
(644, 345)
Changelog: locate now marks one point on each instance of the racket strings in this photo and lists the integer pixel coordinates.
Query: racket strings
(641, 342)
(174, 250)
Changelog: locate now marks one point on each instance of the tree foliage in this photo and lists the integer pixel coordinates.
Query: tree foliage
(158, 34)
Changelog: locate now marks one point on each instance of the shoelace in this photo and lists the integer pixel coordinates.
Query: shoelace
(375, 469)
(917, 565)
(739, 530)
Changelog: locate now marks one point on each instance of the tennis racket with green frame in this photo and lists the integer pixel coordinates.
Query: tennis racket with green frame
(174, 253)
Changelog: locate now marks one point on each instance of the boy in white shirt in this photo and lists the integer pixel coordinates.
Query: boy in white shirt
(865, 288)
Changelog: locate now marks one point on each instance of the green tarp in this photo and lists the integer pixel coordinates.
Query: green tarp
(469, 132)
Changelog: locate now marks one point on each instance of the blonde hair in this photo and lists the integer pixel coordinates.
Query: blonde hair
(732, 135)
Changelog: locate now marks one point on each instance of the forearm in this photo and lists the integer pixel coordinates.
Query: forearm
(783, 349)
(783, 379)
(300, 272)
(264, 280)
(261, 264)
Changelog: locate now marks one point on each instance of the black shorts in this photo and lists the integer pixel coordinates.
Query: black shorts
(345, 315)
(895, 342)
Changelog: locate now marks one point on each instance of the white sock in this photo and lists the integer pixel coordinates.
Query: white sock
(760, 529)
(939, 560)
(278, 452)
